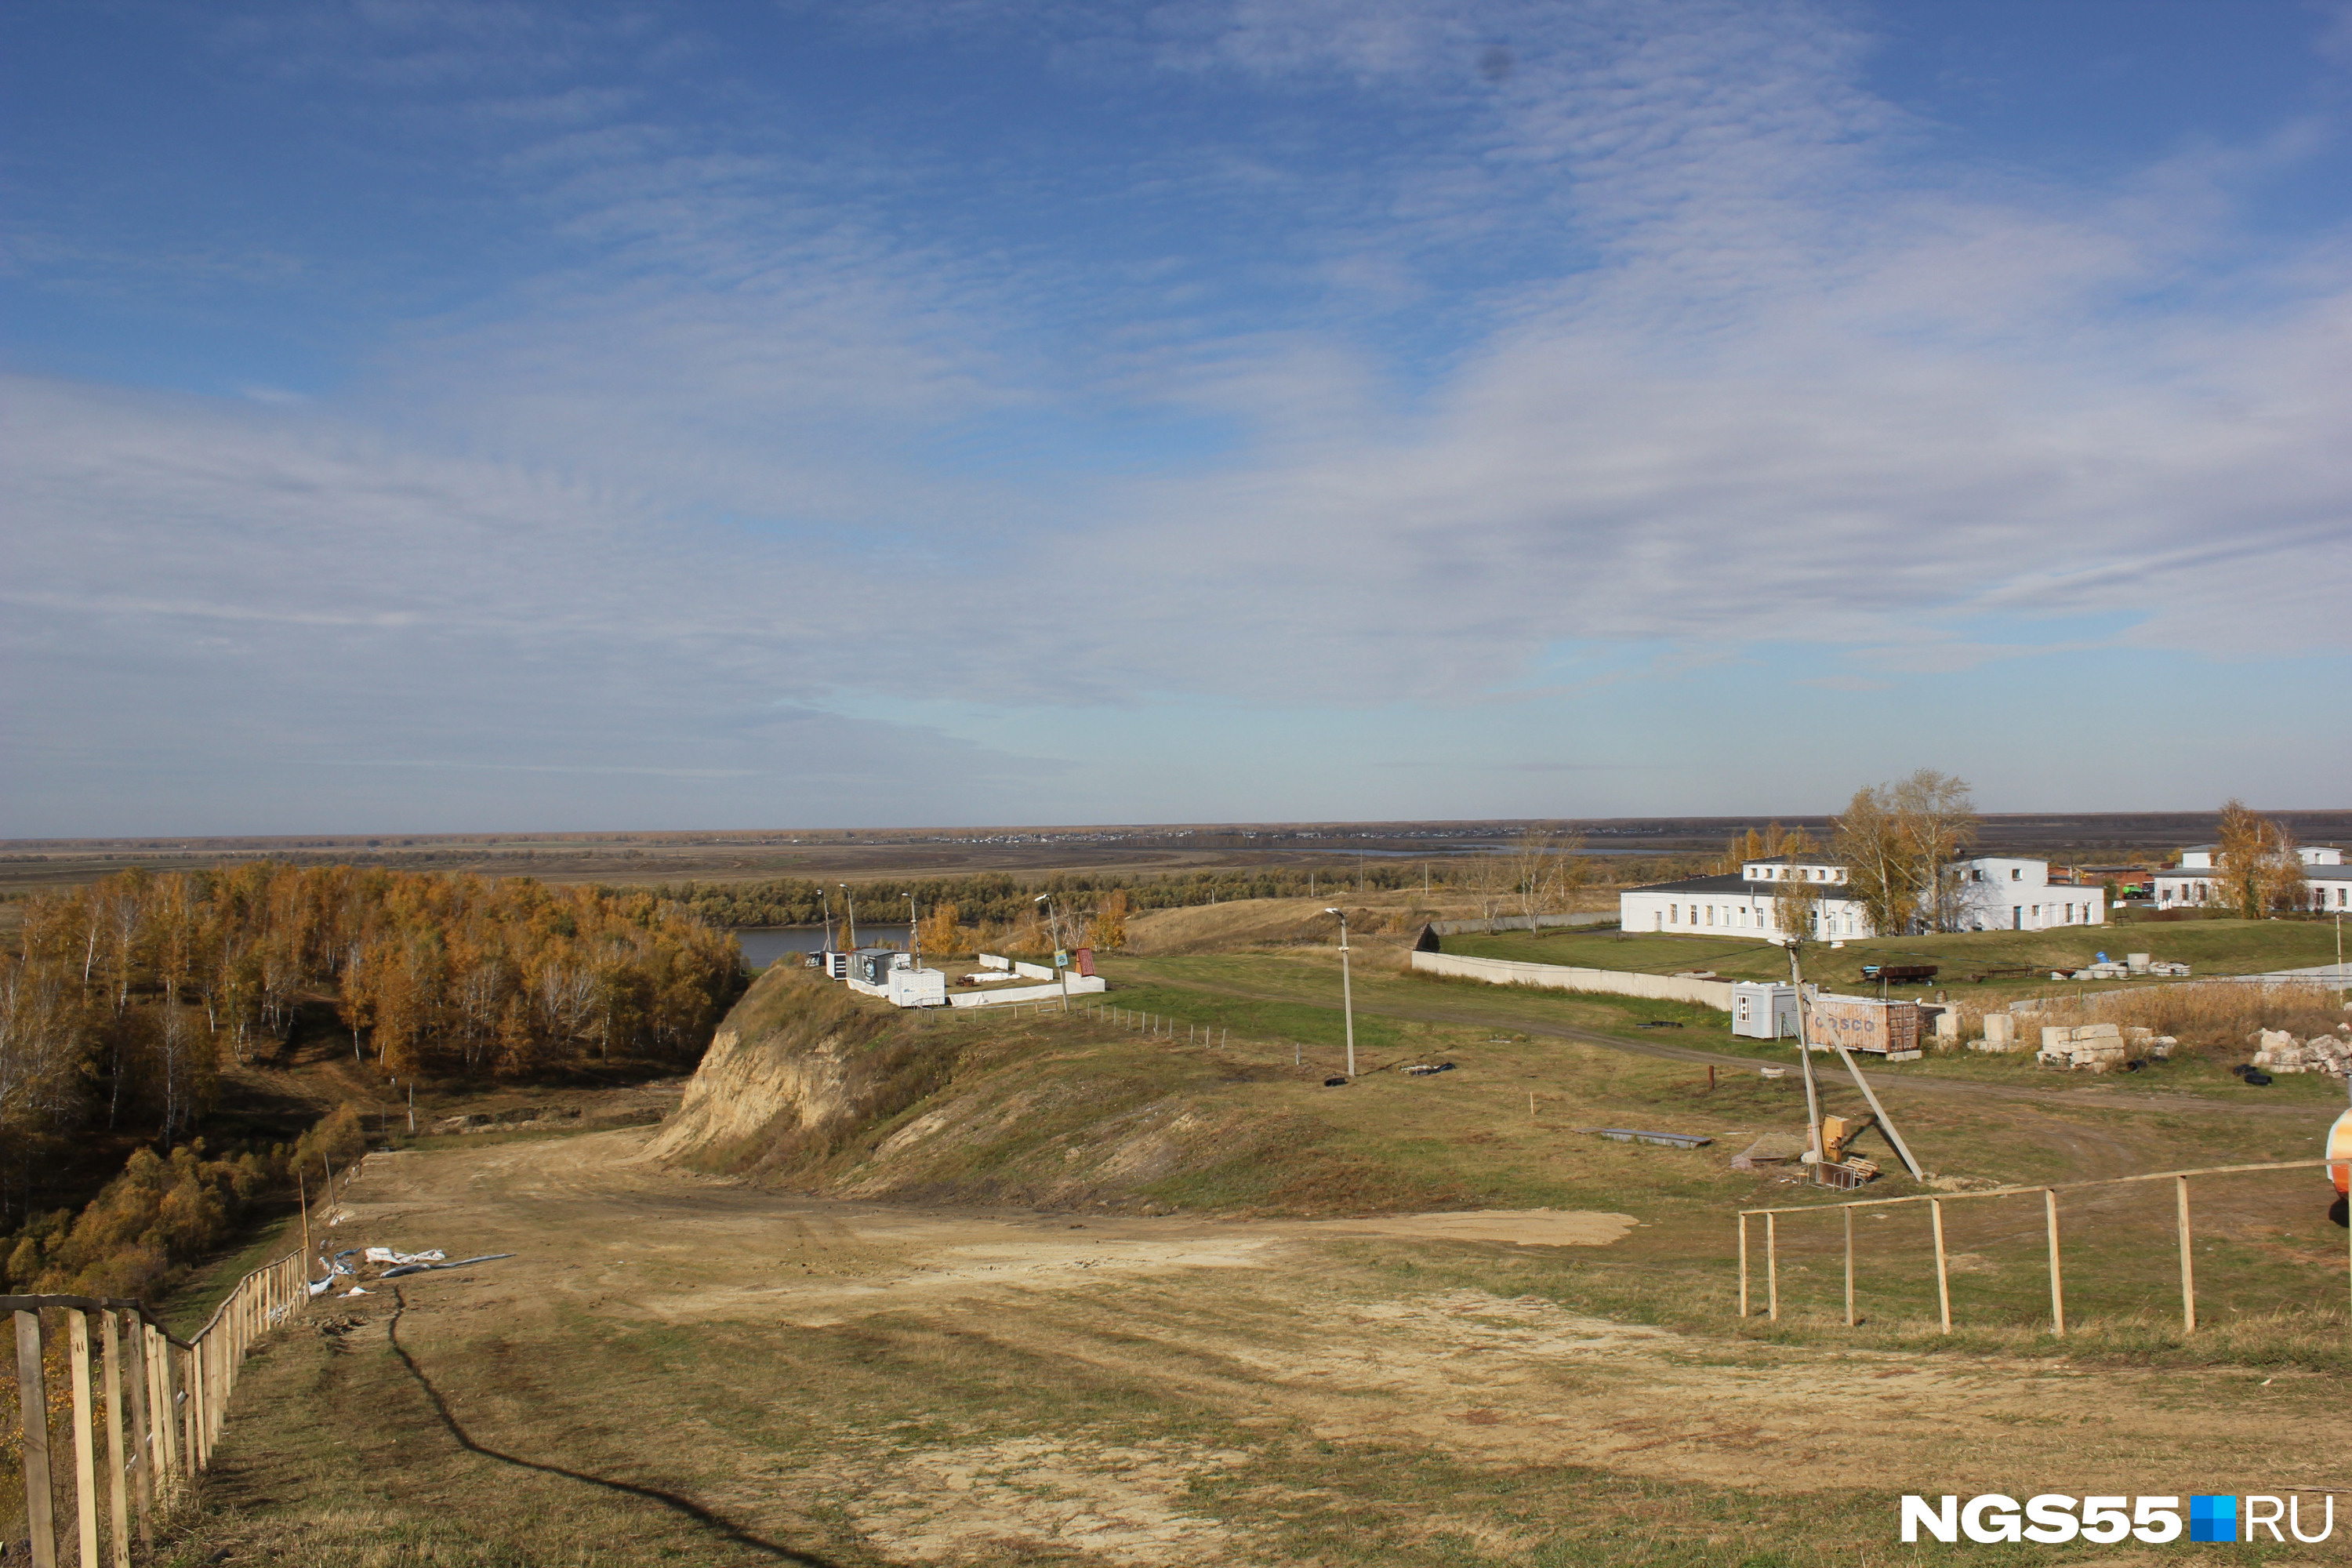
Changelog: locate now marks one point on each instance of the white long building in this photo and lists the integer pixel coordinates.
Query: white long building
(1997, 893)
(2194, 883)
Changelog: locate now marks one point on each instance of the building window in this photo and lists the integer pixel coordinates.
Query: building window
(2017, 874)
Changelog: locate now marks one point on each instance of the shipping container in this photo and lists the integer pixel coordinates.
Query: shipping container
(1890, 1029)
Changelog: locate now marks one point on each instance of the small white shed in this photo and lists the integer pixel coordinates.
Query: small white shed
(1762, 1011)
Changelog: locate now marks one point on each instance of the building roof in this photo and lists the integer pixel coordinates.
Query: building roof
(1831, 893)
(2322, 872)
(1788, 860)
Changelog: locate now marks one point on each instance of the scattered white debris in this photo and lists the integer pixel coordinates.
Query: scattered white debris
(387, 1255)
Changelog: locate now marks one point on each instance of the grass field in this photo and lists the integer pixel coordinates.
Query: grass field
(1266, 992)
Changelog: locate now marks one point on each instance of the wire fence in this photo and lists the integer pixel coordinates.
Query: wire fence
(2183, 1230)
(147, 1407)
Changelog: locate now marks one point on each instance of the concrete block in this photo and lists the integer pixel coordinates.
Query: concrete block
(2000, 1029)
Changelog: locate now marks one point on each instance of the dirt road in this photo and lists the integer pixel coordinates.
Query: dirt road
(680, 1369)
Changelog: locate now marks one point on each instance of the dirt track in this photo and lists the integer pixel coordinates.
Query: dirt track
(814, 1398)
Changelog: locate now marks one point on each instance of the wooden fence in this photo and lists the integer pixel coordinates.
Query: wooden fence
(159, 1416)
(2049, 1195)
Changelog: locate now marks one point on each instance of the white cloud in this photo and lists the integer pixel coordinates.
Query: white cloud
(1764, 366)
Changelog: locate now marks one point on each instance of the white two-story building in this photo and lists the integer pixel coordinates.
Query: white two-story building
(2326, 880)
(1996, 893)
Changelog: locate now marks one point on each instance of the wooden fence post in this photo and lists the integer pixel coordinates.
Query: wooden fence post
(1943, 1271)
(33, 1405)
(191, 1395)
(1743, 1263)
(118, 1502)
(1849, 1266)
(2057, 1281)
(2188, 1264)
(144, 1453)
(165, 1401)
(84, 1430)
(1773, 1265)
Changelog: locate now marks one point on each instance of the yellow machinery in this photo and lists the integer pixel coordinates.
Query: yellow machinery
(1840, 1132)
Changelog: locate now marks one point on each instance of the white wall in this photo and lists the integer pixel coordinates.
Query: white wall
(998, 995)
(1714, 994)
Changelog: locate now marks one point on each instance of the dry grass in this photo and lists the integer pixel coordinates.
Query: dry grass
(2209, 1020)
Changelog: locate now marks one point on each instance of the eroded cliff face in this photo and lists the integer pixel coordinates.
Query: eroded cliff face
(784, 1072)
(811, 1086)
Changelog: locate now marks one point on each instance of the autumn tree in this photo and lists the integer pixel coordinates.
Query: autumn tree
(2254, 862)
(1796, 907)
(1897, 843)
(1937, 817)
(1870, 846)
(1544, 872)
(943, 932)
(1106, 933)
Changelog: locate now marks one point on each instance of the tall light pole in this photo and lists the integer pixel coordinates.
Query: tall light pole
(1347, 991)
(914, 934)
(849, 921)
(1054, 924)
(825, 905)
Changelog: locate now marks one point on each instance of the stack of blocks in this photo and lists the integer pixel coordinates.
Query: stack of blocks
(2097, 1046)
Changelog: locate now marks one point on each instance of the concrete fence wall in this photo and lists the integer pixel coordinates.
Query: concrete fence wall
(997, 995)
(1518, 922)
(1715, 993)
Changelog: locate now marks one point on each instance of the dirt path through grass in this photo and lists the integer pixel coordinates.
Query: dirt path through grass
(681, 1369)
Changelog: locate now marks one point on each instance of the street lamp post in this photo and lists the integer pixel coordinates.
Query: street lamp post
(1053, 925)
(1347, 991)
(849, 919)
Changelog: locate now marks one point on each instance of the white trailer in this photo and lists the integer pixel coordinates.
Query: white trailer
(1762, 1011)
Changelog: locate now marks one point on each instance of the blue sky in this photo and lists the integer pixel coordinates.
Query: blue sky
(423, 416)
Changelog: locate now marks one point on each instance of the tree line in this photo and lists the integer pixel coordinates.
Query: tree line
(165, 1212)
(1536, 876)
(121, 1001)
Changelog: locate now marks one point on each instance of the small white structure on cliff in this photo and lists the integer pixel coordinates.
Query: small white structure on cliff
(890, 975)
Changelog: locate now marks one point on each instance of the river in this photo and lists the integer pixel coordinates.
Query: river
(764, 946)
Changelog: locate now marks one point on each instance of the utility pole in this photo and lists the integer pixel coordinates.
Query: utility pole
(849, 921)
(914, 933)
(1347, 996)
(1805, 1057)
(1054, 924)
